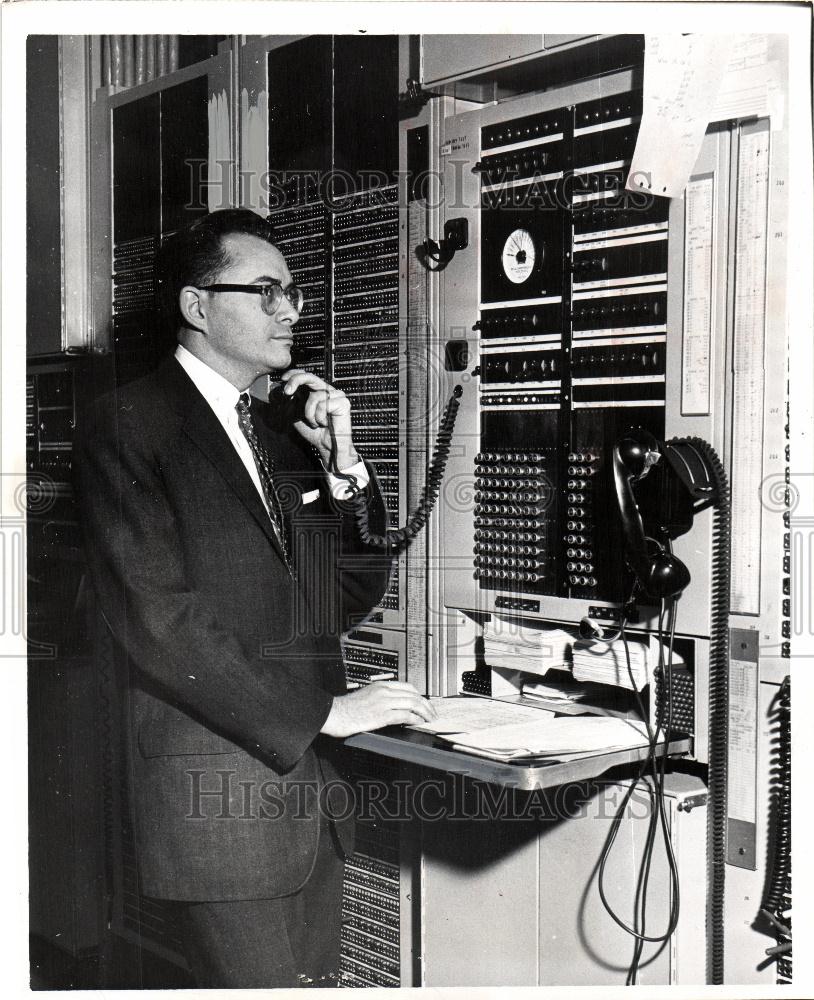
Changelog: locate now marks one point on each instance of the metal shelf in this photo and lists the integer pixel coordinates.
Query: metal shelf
(426, 750)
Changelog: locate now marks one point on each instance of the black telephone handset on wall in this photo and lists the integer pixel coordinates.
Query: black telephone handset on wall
(660, 574)
(691, 479)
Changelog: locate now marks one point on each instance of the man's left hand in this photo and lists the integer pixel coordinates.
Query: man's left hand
(327, 410)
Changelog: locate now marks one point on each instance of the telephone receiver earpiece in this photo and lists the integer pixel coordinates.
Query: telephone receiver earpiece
(660, 574)
(668, 576)
(638, 451)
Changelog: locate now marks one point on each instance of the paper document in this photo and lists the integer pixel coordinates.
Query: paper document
(469, 715)
(752, 85)
(682, 76)
(556, 736)
(565, 693)
(596, 661)
(511, 646)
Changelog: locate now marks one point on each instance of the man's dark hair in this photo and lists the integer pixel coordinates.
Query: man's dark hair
(196, 255)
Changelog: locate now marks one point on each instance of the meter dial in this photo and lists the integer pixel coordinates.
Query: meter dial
(518, 257)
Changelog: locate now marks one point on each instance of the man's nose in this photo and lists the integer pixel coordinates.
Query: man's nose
(286, 313)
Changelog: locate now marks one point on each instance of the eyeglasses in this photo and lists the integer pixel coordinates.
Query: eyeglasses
(271, 294)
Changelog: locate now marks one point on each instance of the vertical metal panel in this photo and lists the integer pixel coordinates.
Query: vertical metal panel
(75, 215)
(480, 903)
(743, 748)
(43, 192)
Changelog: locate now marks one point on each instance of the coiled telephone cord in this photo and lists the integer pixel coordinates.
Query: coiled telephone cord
(718, 724)
(396, 540)
(773, 906)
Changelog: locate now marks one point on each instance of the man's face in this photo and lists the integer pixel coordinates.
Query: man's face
(237, 329)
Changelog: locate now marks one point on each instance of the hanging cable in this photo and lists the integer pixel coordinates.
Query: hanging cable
(773, 907)
(772, 904)
(718, 716)
(396, 540)
(658, 816)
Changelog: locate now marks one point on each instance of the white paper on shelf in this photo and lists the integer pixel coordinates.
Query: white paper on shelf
(512, 755)
(507, 657)
(511, 646)
(555, 736)
(606, 664)
(469, 715)
(552, 692)
(509, 630)
(682, 77)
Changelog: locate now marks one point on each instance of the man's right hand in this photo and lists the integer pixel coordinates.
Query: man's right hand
(381, 703)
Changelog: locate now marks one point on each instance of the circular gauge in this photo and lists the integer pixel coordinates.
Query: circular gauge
(519, 255)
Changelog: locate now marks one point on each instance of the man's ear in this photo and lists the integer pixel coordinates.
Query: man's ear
(193, 307)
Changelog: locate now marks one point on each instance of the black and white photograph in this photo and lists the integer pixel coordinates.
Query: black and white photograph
(407, 496)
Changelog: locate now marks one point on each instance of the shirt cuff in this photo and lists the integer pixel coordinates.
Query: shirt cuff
(339, 487)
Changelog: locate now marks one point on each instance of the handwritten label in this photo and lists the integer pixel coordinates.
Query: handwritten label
(682, 75)
(456, 145)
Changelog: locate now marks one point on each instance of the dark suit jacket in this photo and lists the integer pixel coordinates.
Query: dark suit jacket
(232, 663)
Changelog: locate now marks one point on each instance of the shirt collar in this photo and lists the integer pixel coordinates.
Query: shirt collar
(219, 392)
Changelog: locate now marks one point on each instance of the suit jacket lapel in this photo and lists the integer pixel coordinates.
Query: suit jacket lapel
(202, 426)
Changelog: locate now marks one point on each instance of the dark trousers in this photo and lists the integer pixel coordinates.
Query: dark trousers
(263, 943)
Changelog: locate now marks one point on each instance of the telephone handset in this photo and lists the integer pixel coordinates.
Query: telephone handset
(690, 478)
(291, 409)
(660, 574)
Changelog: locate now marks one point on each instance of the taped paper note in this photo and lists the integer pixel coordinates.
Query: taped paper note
(752, 91)
(742, 738)
(752, 85)
(682, 76)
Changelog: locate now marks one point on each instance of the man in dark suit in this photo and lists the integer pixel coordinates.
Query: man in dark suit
(226, 562)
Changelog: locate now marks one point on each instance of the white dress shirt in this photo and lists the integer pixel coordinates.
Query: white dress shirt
(223, 397)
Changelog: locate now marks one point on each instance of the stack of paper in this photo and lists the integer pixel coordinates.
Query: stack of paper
(511, 646)
(509, 731)
(565, 693)
(554, 737)
(596, 661)
(462, 715)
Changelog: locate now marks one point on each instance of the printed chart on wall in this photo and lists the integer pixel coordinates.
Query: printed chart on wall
(417, 342)
(748, 365)
(698, 292)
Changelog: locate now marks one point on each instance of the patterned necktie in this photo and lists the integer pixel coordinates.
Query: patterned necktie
(265, 470)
